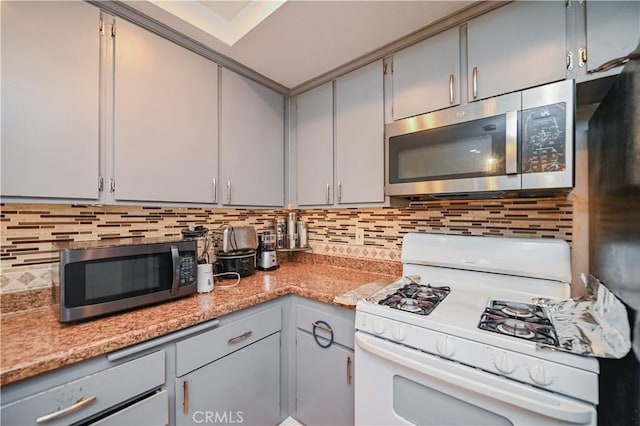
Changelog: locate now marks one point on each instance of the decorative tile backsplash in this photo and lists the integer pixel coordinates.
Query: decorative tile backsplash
(29, 258)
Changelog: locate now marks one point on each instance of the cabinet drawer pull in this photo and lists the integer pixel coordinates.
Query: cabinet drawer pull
(324, 326)
(475, 82)
(215, 190)
(185, 396)
(348, 370)
(328, 194)
(339, 191)
(451, 88)
(228, 192)
(240, 337)
(319, 325)
(81, 403)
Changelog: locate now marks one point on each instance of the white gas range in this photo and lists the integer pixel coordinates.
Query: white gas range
(421, 357)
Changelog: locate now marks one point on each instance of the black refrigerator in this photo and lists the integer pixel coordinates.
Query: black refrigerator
(614, 232)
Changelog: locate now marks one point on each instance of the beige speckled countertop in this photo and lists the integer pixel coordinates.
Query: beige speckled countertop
(34, 342)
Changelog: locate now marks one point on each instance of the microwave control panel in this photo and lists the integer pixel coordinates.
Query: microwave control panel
(188, 267)
(544, 139)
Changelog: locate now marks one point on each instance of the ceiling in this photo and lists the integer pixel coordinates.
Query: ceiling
(294, 41)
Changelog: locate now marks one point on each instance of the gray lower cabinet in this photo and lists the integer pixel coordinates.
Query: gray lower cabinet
(129, 393)
(242, 387)
(324, 382)
(324, 364)
(231, 374)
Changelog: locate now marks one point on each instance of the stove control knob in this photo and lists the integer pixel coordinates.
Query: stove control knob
(378, 326)
(504, 363)
(446, 347)
(398, 333)
(540, 375)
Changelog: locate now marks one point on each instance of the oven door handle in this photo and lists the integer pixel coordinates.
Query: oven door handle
(561, 411)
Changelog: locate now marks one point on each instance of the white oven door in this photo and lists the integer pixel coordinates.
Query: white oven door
(398, 385)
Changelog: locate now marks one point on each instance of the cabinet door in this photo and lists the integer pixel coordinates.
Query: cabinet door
(426, 76)
(50, 69)
(166, 113)
(360, 135)
(324, 382)
(314, 146)
(520, 45)
(251, 143)
(613, 31)
(243, 387)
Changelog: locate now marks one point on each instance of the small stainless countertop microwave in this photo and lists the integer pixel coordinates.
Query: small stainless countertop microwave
(102, 277)
(519, 141)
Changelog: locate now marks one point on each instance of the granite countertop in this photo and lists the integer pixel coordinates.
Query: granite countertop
(34, 342)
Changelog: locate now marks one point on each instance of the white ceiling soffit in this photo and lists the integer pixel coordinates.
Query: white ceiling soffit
(303, 39)
(227, 21)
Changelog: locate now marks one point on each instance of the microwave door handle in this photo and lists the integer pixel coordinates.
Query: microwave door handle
(511, 145)
(175, 260)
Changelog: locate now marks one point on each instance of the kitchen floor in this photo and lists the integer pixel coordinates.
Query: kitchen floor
(290, 421)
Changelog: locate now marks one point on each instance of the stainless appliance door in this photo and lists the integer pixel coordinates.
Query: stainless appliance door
(399, 385)
(466, 149)
(547, 140)
(96, 281)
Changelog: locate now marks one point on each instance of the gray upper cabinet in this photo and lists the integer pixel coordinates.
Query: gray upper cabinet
(359, 103)
(50, 101)
(520, 45)
(251, 143)
(166, 120)
(612, 30)
(426, 76)
(314, 146)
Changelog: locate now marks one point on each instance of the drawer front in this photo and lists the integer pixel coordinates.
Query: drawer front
(342, 324)
(151, 411)
(204, 348)
(90, 395)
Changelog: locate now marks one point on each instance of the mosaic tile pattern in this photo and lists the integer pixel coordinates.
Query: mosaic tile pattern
(29, 231)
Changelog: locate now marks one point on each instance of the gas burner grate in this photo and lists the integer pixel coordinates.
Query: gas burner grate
(520, 320)
(416, 298)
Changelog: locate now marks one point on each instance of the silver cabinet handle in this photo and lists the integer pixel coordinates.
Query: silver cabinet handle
(81, 403)
(570, 61)
(582, 57)
(185, 396)
(214, 189)
(240, 337)
(339, 191)
(511, 154)
(474, 82)
(328, 194)
(348, 370)
(451, 88)
(322, 327)
(228, 192)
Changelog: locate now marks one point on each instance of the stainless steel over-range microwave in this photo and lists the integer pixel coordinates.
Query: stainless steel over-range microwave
(102, 277)
(518, 141)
